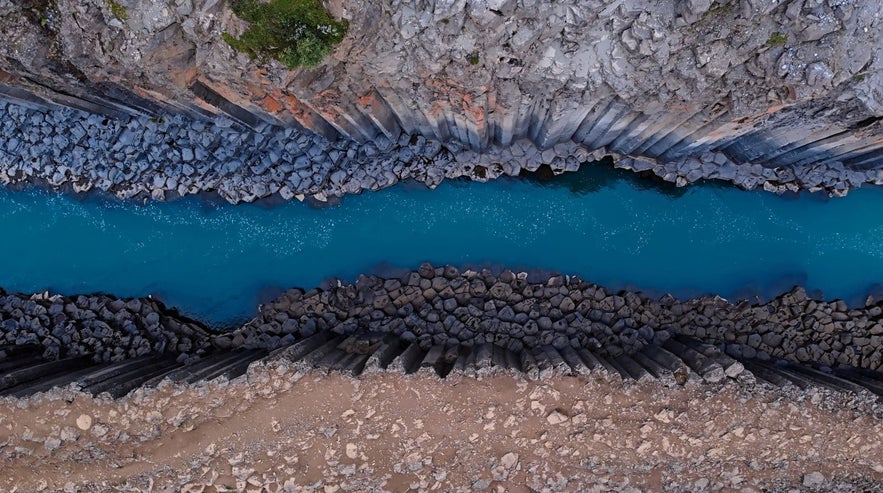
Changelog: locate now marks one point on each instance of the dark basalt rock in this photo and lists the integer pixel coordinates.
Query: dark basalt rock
(709, 335)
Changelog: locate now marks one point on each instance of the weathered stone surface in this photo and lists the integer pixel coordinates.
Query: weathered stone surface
(774, 95)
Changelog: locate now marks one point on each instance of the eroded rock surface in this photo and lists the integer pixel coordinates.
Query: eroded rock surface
(744, 90)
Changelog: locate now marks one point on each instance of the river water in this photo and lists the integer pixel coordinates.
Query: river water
(216, 262)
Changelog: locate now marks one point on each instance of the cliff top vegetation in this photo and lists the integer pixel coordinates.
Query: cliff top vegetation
(294, 32)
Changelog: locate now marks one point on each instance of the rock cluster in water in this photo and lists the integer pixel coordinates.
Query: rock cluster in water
(444, 306)
(174, 156)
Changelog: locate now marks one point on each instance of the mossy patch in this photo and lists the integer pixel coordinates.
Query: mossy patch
(777, 39)
(117, 10)
(43, 13)
(721, 9)
(294, 32)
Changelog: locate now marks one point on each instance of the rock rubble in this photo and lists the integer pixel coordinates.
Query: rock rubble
(142, 158)
(442, 306)
(391, 432)
(107, 328)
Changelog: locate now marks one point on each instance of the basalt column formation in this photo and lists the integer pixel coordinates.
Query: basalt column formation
(762, 93)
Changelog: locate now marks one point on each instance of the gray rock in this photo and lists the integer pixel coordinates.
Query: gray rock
(814, 480)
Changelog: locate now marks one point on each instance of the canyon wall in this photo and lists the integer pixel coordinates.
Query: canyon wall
(782, 95)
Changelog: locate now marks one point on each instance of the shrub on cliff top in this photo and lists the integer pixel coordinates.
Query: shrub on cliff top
(295, 32)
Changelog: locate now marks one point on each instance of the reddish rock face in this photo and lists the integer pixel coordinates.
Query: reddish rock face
(452, 69)
(767, 84)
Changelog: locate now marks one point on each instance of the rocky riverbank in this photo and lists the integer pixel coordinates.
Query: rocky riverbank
(168, 157)
(446, 307)
(107, 328)
(766, 94)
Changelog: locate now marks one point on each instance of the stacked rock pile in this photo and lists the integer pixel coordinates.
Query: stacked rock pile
(108, 329)
(166, 158)
(441, 305)
(438, 306)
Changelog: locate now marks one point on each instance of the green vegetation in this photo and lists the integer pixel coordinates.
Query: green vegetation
(117, 10)
(294, 32)
(712, 19)
(473, 59)
(717, 11)
(721, 9)
(44, 13)
(777, 39)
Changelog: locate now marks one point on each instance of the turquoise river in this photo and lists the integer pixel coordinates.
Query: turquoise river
(216, 262)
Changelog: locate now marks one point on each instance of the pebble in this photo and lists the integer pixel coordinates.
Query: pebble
(352, 451)
(813, 480)
(84, 422)
(556, 418)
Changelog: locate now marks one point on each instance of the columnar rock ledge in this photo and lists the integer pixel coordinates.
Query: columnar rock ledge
(172, 155)
(763, 93)
(442, 307)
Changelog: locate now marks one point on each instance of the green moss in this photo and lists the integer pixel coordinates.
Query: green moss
(721, 9)
(473, 59)
(711, 19)
(44, 13)
(716, 12)
(294, 32)
(117, 10)
(777, 39)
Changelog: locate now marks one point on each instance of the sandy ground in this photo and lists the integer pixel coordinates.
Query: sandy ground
(284, 429)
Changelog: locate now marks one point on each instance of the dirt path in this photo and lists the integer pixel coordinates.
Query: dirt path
(285, 430)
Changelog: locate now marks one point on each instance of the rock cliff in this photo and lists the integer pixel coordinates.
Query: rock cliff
(737, 90)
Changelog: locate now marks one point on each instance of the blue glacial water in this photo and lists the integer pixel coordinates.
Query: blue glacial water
(216, 262)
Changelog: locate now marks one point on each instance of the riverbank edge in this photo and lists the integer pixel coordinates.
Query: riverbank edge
(143, 159)
(446, 306)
